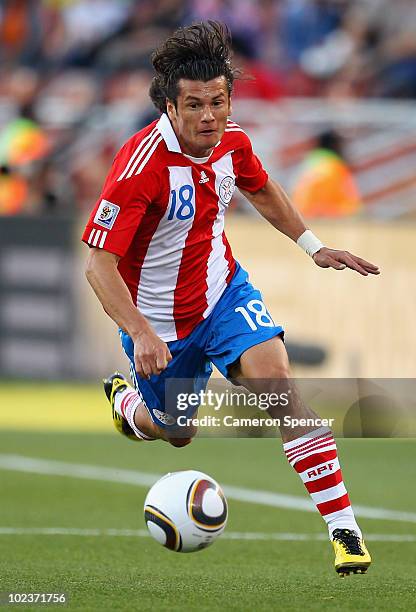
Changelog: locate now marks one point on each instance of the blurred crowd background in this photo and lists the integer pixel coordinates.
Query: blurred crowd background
(74, 76)
(328, 99)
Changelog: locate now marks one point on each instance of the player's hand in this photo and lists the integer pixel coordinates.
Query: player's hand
(151, 354)
(339, 260)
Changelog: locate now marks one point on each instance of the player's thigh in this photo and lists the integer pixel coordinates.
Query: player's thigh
(268, 359)
(243, 327)
(264, 369)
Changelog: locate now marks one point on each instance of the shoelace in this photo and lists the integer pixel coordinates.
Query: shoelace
(349, 540)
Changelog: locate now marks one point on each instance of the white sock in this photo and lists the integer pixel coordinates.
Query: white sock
(126, 403)
(314, 456)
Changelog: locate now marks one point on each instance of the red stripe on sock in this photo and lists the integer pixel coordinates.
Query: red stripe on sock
(315, 459)
(301, 447)
(311, 439)
(122, 406)
(334, 505)
(311, 446)
(321, 448)
(324, 483)
(126, 400)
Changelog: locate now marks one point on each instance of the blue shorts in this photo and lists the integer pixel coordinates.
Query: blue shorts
(239, 321)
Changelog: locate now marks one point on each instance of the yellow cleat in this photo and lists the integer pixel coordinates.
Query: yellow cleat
(351, 554)
(114, 383)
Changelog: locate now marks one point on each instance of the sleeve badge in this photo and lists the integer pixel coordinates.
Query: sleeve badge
(106, 214)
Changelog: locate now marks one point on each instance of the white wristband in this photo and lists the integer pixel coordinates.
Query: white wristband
(309, 242)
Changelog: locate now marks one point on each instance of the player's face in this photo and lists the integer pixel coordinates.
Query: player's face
(200, 116)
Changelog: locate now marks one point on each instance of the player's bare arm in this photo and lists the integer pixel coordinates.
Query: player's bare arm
(274, 205)
(151, 353)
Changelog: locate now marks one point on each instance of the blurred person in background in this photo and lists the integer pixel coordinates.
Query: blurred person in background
(22, 171)
(243, 17)
(148, 23)
(24, 146)
(371, 53)
(258, 79)
(81, 28)
(391, 28)
(20, 31)
(303, 26)
(22, 140)
(325, 185)
(306, 23)
(14, 191)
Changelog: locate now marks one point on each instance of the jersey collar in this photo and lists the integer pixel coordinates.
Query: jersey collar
(165, 128)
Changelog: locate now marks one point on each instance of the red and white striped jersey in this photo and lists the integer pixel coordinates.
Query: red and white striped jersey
(162, 212)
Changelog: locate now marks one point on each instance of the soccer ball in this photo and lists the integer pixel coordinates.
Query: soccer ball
(185, 511)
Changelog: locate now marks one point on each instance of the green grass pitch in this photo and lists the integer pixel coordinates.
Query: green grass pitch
(107, 572)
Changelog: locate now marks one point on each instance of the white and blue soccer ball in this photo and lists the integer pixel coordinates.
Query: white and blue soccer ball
(186, 511)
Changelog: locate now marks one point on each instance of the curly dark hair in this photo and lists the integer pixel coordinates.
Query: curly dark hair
(199, 52)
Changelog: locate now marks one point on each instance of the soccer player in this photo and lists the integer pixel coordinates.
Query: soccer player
(162, 268)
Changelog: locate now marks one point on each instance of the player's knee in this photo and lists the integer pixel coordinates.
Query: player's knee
(281, 371)
(276, 375)
(179, 442)
(277, 382)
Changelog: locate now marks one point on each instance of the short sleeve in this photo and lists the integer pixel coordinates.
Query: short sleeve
(250, 176)
(120, 209)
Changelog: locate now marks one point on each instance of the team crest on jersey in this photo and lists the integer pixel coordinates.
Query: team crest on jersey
(226, 189)
(106, 214)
